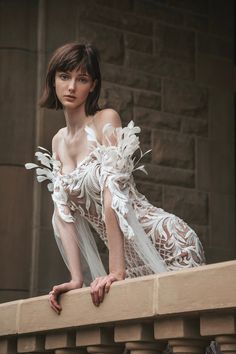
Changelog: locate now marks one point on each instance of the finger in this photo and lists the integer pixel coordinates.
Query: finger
(54, 307)
(107, 286)
(54, 302)
(101, 292)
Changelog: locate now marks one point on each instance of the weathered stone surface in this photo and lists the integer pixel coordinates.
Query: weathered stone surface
(146, 99)
(8, 314)
(156, 119)
(158, 12)
(118, 98)
(118, 4)
(217, 46)
(152, 191)
(185, 98)
(167, 175)
(195, 126)
(139, 43)
(173, 150)
(17, 102)
(15, 227)
(200, 6)
(222, 209)
(196, 22)
(11, 295)
(190, 205)
(117, 19)
(173, 43)
(24, 20)
(214, 72)
(129, 77)
(56, 17)
(221, 20)
(159, 66)
(109, 42)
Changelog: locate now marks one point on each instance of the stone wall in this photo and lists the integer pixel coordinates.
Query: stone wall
(169, 66)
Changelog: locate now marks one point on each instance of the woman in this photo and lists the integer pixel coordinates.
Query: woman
(93, 186)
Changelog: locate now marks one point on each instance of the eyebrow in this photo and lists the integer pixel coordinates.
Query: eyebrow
(67, 71)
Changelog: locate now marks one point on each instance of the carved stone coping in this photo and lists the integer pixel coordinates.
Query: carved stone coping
(186, 292)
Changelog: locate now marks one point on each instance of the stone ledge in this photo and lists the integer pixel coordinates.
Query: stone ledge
(182, 292)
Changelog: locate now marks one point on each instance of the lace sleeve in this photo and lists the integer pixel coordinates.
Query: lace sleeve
(117, 165)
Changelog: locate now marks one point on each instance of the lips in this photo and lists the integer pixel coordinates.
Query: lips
(69, 96)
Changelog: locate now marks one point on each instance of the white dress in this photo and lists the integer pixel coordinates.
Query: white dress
(154, 240)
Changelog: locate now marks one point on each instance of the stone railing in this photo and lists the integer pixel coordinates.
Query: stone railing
(185, 309)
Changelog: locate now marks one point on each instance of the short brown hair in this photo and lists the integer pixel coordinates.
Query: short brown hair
(67, 58)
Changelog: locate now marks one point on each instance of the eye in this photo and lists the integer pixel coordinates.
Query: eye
(83, 79)
(64, 76)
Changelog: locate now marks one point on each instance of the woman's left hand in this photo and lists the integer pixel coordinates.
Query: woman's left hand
(100, 286)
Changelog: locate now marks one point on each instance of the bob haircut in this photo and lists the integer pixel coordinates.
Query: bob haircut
(67, 58)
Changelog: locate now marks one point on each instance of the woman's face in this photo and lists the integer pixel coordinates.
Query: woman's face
(73, 87)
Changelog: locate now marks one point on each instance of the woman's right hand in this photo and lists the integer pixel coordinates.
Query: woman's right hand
(60, 289)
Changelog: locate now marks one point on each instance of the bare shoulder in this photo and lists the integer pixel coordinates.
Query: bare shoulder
(107, 115)
(56, 140)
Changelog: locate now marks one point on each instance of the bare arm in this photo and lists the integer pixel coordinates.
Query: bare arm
(68, 238)
(114, 234)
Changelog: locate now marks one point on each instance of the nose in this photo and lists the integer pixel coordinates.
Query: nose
(71, 86)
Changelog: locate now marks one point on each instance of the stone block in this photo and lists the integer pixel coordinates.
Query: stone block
(111, 17)
(78, 309)
(8, 346)
(15, 227)
(185, 98)
(200, 7)
(134, 332)
(8, 315)
(152, 192)
(129, 77)
(110, 43)
(162, 67)
(173, 150)
(95, 336)
(173, 43)
(60, 340)
(195, 126)
(190, 205)
(138, 43)
(156, 119)
(212, 324)
(18, 84)
(167, 175)
(187, 291)
(57, 30)
(18, 25)
(147, 99)
(217, 46)
(26, 344)
(120, 99)
(176, 327)
(158, 12)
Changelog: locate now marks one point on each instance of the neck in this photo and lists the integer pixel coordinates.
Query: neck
(75, 119)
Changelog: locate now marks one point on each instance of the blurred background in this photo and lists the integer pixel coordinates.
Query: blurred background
(167, 64)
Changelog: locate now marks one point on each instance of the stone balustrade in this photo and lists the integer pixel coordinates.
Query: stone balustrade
(185, 309)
